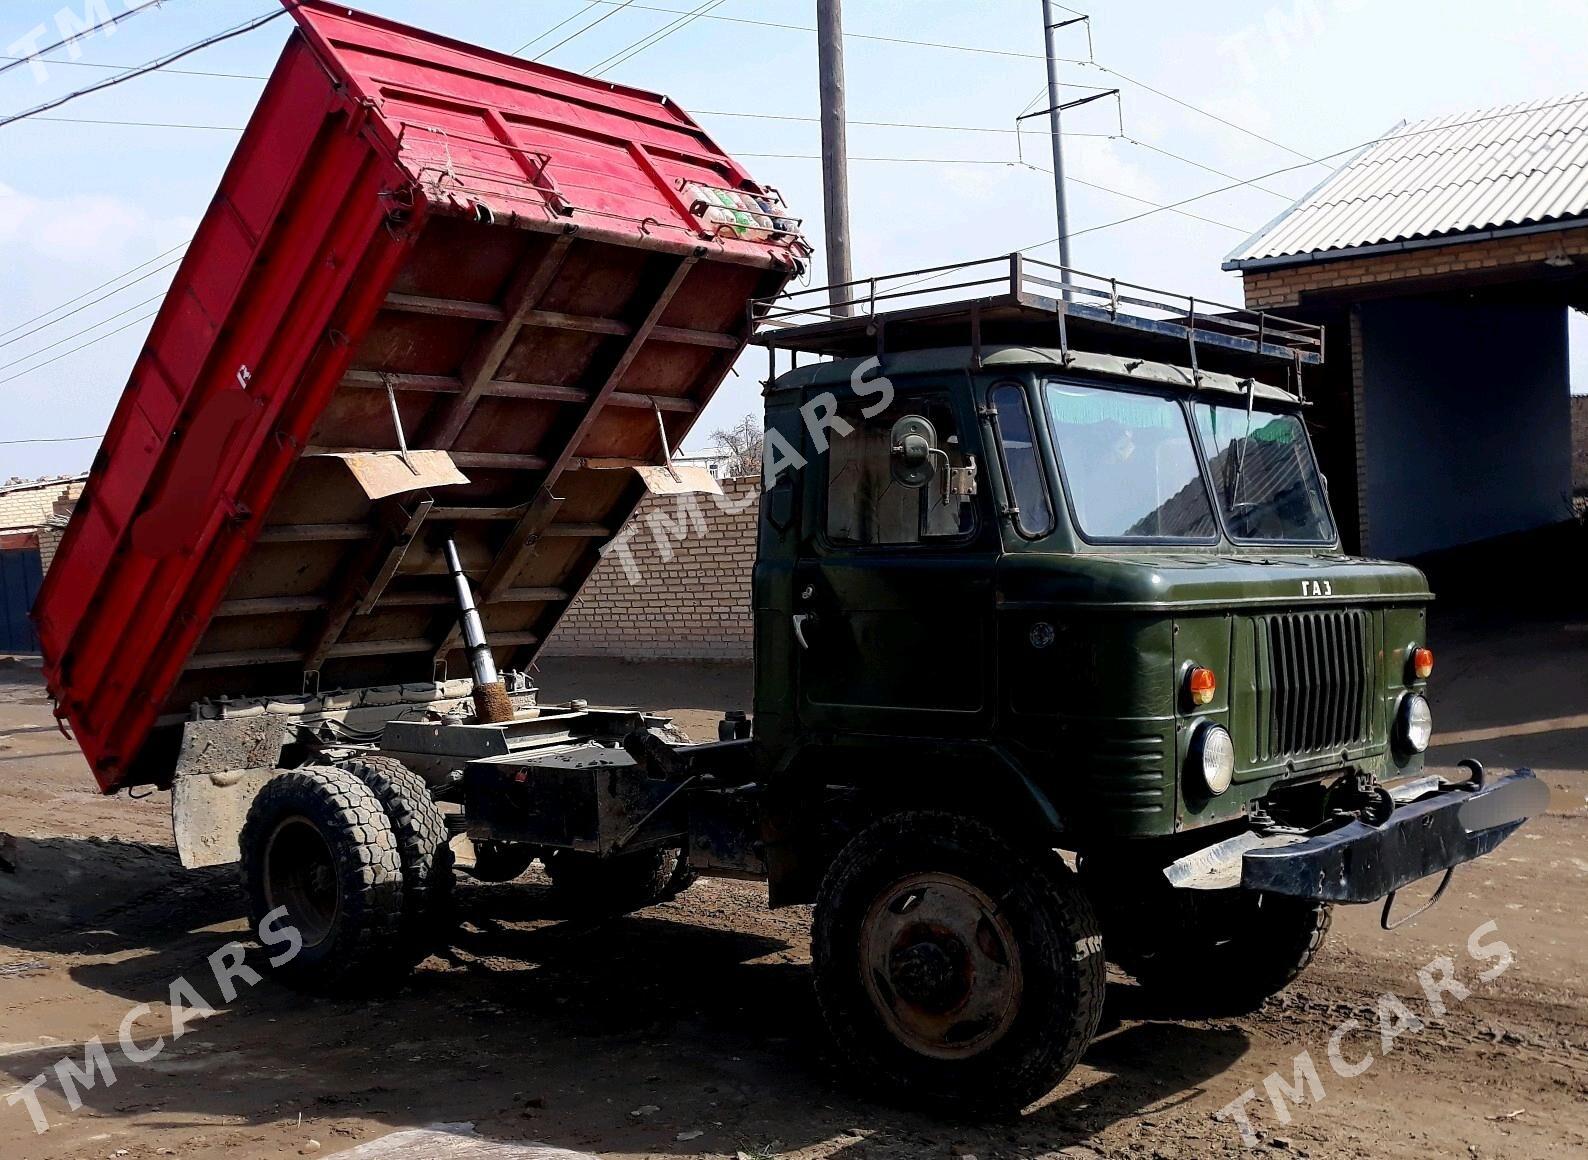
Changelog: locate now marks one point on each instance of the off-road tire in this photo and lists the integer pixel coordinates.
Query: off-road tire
(500, 861)
(1204, 952)
(587, 885)
(422, 845)
(363, 867)
(1056, 935)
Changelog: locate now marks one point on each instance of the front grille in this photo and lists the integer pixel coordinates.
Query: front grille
(1317, 681)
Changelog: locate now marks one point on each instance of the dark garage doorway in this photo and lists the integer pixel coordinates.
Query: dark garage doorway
(21, 572)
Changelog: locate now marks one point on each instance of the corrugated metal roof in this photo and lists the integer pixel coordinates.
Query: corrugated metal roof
(1513, 166)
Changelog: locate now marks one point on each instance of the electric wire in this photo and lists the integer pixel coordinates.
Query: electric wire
(86, 305)
(1338, 153)
(143, 70)
(17, 61)
(84, 346)
(847, 35)
(1225, 121)
(605, 16)
(92, 290)
(138, 124)
(50, 439)
(578, 12)
(171, 72)
(624, 55)
(79, 334)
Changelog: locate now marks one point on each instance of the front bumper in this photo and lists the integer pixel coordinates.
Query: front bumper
(1359, 862)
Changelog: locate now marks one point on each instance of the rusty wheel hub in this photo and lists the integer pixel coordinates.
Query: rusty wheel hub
(941, 965)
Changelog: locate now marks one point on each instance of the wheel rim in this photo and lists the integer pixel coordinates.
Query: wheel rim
(941, 964)
(300, 874)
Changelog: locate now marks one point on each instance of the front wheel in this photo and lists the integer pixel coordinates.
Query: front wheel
(955, 969)
(1204, 951)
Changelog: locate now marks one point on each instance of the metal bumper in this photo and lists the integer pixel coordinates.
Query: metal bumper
(1362, 863)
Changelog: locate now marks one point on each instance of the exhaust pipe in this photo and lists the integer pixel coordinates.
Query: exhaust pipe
(491, 702)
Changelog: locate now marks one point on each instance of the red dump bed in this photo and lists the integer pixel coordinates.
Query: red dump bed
(521, 257)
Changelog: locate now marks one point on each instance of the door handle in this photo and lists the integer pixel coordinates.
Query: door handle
(801, 619)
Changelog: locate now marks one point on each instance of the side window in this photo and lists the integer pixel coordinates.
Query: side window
(866, 507)
(1025, 464)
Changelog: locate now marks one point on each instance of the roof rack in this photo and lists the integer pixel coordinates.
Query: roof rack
(1015, 299)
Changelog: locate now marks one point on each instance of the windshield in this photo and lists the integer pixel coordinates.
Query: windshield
(1129, 467)
(1264, 475)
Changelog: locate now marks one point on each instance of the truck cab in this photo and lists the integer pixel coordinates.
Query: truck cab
(1111, 590)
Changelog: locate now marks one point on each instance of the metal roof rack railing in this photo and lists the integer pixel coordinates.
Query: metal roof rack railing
(836, 319)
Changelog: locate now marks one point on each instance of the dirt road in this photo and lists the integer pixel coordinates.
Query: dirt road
(690, 1031)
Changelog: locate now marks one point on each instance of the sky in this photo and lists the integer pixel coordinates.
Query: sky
(1227, 88)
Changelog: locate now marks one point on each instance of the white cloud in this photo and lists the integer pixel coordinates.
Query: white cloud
(87, 229)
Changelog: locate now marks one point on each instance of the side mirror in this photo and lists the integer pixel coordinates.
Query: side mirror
(912, 444)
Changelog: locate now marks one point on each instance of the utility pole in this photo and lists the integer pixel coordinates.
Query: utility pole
(835, 148)
(1055, 117)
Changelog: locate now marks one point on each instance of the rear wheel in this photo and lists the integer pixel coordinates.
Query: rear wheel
(317, 845)
(1204, 951)
(588, 884)
(422, 846)
(955, 969)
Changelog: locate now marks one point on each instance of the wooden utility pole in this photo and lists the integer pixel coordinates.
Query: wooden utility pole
(835, 148)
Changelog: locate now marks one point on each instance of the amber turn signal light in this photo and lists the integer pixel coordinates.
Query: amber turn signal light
(1200, 684)
(1423, 663)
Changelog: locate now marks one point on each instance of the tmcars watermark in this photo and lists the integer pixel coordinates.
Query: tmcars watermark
(1439, 984)
(1284, 29)
(70, 28)
(186, 1004)
(778, 456)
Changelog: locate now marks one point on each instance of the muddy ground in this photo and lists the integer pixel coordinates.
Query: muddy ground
(690, 1031)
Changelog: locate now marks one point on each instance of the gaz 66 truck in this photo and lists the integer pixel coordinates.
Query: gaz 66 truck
(1057, 657)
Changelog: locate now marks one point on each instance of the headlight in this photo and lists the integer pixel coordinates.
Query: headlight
(1414, 723)
(1213, 758)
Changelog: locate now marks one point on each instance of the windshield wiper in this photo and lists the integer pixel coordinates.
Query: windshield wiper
(1240, 452)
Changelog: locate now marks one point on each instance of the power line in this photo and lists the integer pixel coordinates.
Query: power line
(1008, 164)
(54, 439)
(142, 70)
(72, 40)
(605, 16)
(92, 290)
(626, 54)
(922, 125)
(881, 124)
(84, 346)
(984, 51)
(80, 333)
(578, 12)
(1199, 165)
(86, 305)
(175, 72)
(1204, 112)
(1327, 157)
(138, 124)
(847, 35)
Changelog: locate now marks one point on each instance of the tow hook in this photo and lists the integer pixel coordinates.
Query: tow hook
(1475, 782)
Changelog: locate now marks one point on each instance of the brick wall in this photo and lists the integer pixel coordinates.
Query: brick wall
(678, 589)
(1579, 443)
(39, 511)
(1284, 286)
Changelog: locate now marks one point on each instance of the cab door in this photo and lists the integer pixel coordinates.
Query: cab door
(893, 586)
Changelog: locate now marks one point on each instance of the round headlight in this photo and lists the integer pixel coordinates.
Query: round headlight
(1415, 723)
(1213, 758)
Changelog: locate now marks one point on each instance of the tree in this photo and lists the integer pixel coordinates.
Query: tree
(741, 444)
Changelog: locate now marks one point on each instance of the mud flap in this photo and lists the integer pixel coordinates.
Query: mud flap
(208, 811)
